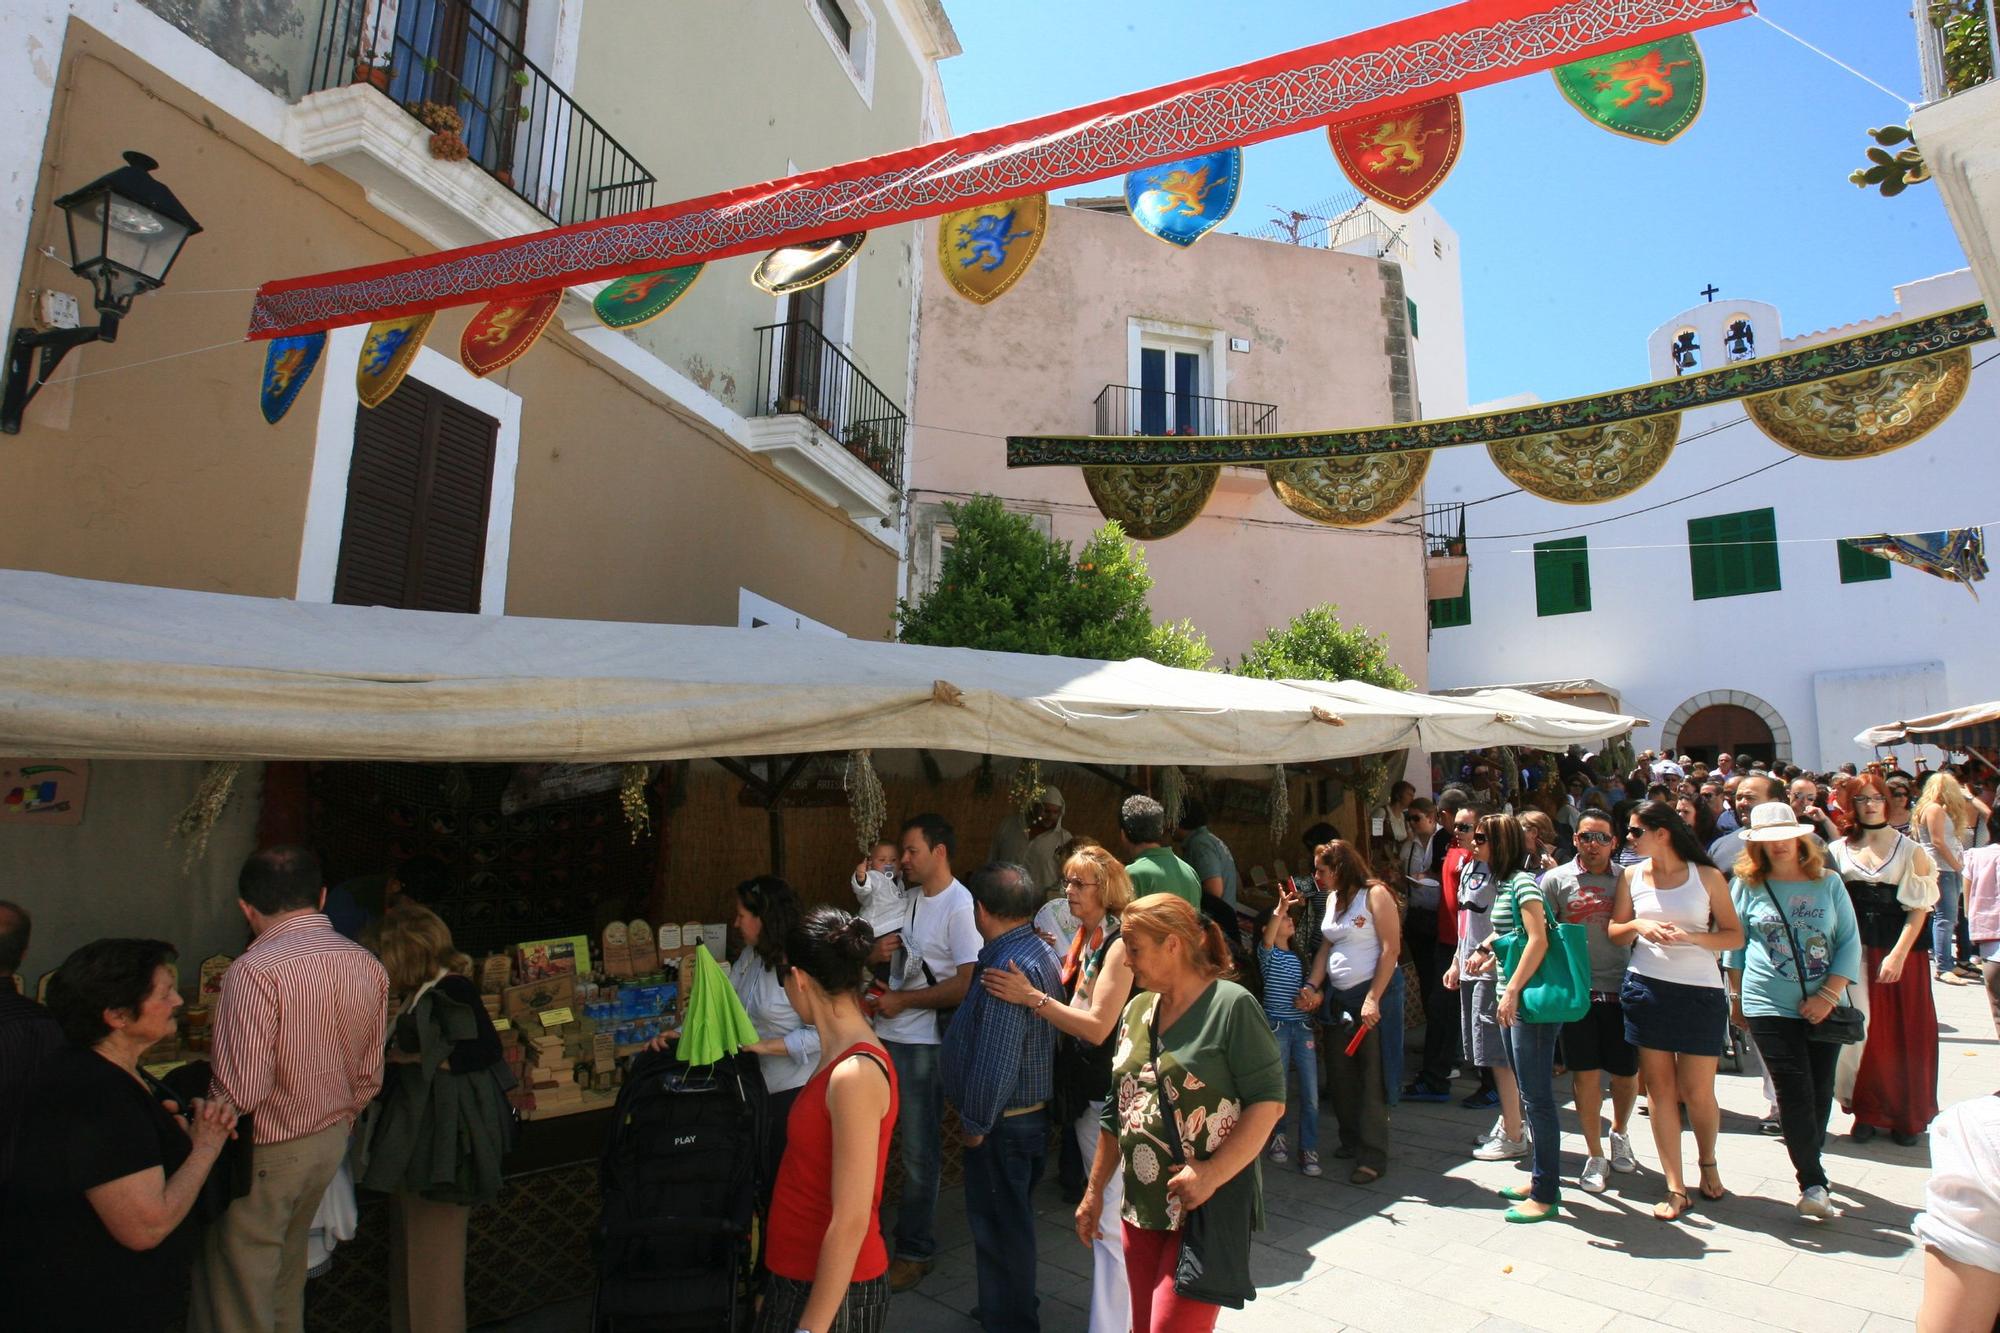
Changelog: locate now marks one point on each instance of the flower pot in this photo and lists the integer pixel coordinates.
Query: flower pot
(374, 75)
(1444, 577)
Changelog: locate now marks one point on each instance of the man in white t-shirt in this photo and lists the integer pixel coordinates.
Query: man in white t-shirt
(931, 972)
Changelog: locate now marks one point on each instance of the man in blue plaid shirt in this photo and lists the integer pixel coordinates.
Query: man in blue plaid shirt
(998, 1063)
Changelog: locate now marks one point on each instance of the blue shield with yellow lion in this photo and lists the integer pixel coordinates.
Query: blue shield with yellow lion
(1181, 202)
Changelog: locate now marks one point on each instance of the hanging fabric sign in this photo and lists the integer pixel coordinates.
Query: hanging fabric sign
(1348, 492)
(1151, 502)
(1958, 554)
(643, 297)
(1592, 464)
(794, 268)
(1401, 158)
(1651, 92)
(288, 364)
(501, 333)
(985, 250)
(1873, 412)
(1181, 202)
(386, 354)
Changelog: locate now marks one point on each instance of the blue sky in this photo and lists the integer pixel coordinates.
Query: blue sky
(1576, 243)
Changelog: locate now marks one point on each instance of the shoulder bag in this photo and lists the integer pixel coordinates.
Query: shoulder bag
(1844, 1026)
(1214, 1262)
(1559, 992)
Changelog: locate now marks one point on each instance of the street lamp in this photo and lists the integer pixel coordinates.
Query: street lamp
(125, 231)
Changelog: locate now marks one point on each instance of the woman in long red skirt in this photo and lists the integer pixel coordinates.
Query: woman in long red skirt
(1889, 1081)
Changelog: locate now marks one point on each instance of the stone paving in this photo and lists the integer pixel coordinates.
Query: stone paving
(1425, 1246)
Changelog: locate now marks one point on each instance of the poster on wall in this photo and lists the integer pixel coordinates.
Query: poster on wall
(43, 791)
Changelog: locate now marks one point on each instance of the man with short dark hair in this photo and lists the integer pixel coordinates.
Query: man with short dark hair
(998, 1072)
(1142, 823)
(298, 1044)
(1595, 1046)
(1752, 791)
(28, 1032)
(1214, 866)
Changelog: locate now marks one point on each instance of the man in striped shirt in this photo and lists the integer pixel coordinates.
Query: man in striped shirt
(298, 1045)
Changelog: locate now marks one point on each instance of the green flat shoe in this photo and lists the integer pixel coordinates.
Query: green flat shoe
(1516, 1215)
(1516, 1194)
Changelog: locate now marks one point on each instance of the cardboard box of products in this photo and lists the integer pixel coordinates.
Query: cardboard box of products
(537, 997)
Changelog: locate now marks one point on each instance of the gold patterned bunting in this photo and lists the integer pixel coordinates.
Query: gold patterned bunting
(1867, 413)
(1349, 492)
(1151, 502)
(386, 354)
(1590, 465)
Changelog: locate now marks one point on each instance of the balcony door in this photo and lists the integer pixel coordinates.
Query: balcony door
(802, 369)
(462, 53)
(1171, 381)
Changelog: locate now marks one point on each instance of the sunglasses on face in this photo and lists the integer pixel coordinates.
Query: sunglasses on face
(1635, 832)
(1479, 837)
(1462, 828)
(1072, 882)
(1595, 838)
(1871, 800)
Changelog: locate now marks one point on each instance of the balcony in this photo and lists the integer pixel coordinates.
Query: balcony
(543, 158)
(825, 424)
(1958, 45)
(1959, 130)
(1122, 409)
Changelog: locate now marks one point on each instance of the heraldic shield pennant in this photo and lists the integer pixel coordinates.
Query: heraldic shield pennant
(386, 354)
(643, 297)
(1401, 158)
(793, 268)
(288, 364)
(1181, 202)
(503, 331)
(1650, 92)
(985, 250)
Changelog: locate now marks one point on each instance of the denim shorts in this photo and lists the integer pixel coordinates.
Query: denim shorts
(1670, 1016)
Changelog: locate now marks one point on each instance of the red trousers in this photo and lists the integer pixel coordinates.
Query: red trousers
(1150, 1257)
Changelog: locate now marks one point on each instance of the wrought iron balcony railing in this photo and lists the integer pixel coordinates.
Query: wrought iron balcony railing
(1958, 45)
(799, 372)
(514, 122)
(1124, 410)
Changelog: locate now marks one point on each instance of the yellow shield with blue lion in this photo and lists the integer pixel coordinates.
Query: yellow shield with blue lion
(1183, 201)
(288, 364)
(386, 354)
(985, 250)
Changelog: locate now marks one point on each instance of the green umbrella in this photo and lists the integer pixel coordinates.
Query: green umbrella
(715, 1024)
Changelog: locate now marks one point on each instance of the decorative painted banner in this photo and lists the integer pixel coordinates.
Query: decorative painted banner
(288, 364)
(1591, 465)
(793, 268)
(1348, 492)
(1862, 415)
(1401, 159)
(1450, 50)
(501, 333)
(386, 354)
(1151, 502)
(643, 297)
(1958, 554)
(1651, 92)
(1181, 202)
(1888, 346)
(984, 251)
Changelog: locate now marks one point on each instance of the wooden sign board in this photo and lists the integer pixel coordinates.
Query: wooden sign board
(43, 791)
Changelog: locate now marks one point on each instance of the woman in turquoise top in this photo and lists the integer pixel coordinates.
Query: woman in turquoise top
(1802, 948)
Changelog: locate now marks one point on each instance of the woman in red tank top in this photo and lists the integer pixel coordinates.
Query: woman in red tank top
(825, 1253)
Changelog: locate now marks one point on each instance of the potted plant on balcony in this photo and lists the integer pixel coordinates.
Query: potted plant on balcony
(1445, 569)
(861, 442)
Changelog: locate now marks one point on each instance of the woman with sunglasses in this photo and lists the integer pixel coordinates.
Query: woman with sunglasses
(1471, 975)
(1674, 909)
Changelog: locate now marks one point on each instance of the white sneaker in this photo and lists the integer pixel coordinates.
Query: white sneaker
(1596, 1177)
(1816, 1202)
(1622, 1160)
(1498, 1131)
(1502, 1149)
(1279, 1153)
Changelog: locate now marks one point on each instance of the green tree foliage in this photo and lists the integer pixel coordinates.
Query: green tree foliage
(1317, 646)
(1007, 586)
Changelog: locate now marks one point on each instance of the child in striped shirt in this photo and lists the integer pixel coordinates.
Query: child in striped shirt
(1283, 977)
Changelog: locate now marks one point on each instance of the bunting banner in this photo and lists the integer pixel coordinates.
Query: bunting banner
(501, 333)
(1401, 159)
(1181, 202)
(1151, 502)
(1590, 465)
(643, 297)
(1348, 492)
(1385, 69)
(1958, 554)
(793, 268)
(1874, 412)
(1651, 92)
(288, 364)
(386, 354)
(983, 251)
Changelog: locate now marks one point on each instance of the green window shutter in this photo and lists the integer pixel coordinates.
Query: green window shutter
(1731, 555)
(1859, 566)
(1413, 316)
(1562, 577)
(1448, 612)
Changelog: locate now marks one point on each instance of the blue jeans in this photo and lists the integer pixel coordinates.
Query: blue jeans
(1000, 1179)
(1298, 1052)
(1944, 920)
(921, 1123)
(1531, 1052)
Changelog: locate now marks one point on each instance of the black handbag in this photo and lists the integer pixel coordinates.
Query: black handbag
(1846, 1025)
(1214, 1262)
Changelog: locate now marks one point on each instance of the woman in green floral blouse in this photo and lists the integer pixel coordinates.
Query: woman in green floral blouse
(1226, 1084)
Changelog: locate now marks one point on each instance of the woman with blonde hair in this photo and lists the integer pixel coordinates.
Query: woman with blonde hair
(1539, 833)
(1801, 950)
(1204, 1037)
(1943, 816)
(1356, 979)
(1097, 985)
(433, 1139)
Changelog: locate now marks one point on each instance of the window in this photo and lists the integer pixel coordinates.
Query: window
(849, 28)
(1562, 577)
(1448, 612)
(414, 535)
(1170, 391)
(1413, 315)
(1859, 566)
(1731, 555)
(837, 20)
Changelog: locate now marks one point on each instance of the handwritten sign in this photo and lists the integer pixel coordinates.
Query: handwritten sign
(553, 1018)
(503, 1025)
(43, 791)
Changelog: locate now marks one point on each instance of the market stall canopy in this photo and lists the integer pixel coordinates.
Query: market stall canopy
(111, 670)
(1480, 718)
(1976, 726)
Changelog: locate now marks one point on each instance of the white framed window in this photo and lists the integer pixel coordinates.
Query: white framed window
(849, 28)
(1175, 374)
(932, 536)
(757, 612)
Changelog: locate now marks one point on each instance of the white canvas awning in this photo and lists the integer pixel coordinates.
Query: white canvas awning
(1483, 718)
(1975, 725)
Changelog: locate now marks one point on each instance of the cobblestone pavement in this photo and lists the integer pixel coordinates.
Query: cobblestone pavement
(1425, 1248)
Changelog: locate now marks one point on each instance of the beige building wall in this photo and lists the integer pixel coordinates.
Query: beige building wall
(1035, 360)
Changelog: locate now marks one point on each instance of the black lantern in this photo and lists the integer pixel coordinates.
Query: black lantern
(125, 232)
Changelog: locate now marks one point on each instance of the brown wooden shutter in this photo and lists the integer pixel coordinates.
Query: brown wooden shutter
(417, 492)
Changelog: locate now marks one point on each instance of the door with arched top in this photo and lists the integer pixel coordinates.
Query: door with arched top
(1720, 727)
